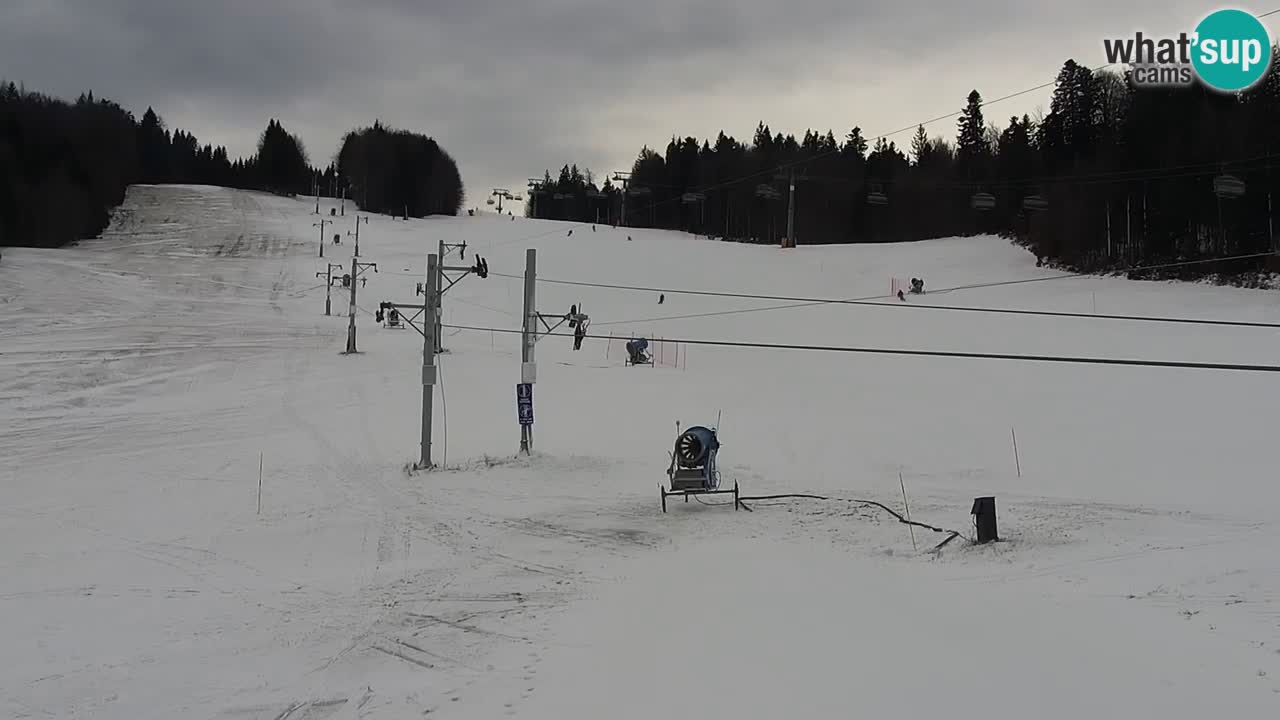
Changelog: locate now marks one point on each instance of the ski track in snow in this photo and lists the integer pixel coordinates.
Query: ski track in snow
(143, 374)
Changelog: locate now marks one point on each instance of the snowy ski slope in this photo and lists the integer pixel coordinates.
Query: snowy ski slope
(145, 374)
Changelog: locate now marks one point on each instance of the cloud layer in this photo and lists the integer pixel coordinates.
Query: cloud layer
(512, 87)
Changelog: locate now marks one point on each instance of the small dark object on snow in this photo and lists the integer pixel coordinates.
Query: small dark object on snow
(570, 234)
(917, 286)
(984, 519)
(628, 238)
(901, 296)
(661, 298)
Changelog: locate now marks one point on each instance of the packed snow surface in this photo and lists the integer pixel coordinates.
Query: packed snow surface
(147, 375)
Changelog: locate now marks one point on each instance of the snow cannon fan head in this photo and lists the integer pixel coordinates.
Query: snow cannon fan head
(695, 447)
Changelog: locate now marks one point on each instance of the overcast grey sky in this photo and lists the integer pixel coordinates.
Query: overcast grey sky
(513, 87)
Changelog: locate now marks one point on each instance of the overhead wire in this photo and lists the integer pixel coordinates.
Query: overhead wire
(1154, 172)
(1244, 367)
(878, 300)
(1134, 174)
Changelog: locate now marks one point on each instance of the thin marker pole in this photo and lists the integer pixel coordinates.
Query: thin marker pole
(1017, 462)
(908, 508)
(260, 483)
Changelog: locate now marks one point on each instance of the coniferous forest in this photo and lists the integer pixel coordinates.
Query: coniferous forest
(65, 166)
(398, 172)
(1111, 177)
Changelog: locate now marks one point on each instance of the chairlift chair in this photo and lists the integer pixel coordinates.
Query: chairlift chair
(1228, 187)
(983, 201)
(876, 196)
(1035, 203)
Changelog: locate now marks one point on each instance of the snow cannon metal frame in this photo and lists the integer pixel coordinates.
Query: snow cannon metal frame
(693, 469)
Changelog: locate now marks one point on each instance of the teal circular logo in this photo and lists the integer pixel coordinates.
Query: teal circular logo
(1232, 50)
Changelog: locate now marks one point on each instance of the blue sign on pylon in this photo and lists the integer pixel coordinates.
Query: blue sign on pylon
(524, 403)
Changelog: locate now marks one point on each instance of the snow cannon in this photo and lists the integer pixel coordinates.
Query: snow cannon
(693, 469)
(636, 354)
(695, 460)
